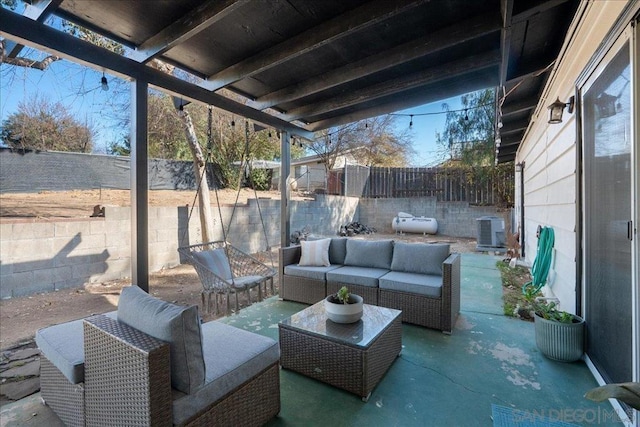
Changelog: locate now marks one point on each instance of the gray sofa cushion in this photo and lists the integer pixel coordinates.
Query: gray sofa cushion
(177, 325)
(363, 276)
(232, 357)
(423, 258)
(338, 250)
(63, 345)
(422, 284)
(317, 273)
(364, 253)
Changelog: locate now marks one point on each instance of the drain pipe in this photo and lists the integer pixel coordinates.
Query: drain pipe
(520, 168)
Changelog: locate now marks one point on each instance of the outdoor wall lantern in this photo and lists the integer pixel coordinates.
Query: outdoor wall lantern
(556, 109)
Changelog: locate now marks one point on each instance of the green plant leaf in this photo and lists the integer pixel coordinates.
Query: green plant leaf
(628, 393)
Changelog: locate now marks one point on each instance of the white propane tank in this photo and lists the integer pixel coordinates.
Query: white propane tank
(408, 223)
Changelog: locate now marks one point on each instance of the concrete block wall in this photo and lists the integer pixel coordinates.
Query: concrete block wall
(44, 256)
(455, 219)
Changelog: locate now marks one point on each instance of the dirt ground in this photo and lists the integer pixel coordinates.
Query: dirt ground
(21, 317)
(80, 203)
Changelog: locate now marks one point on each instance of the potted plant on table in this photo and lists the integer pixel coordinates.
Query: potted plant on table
(559, 334)
(344, 307)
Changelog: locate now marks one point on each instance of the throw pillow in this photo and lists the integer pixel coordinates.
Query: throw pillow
(177, 325)
(366, 253)
(215, 260)
(315, 253)
(422, 258)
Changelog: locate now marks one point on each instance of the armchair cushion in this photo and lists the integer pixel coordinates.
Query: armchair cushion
(337, 250)
(232, 357)
(364, 253)
(63, 345)
(421, 258)
(177, 325)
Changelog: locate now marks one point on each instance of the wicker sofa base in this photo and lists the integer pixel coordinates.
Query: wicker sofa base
(300, 289)
(67, 400)
(252, 404)
(416, 309)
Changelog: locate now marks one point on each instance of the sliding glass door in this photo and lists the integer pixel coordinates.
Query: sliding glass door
(608, 158)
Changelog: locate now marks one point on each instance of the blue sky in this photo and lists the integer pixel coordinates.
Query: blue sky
(78, 88)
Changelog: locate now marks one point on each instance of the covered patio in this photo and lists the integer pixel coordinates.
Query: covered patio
(301, 67)
(437, 380)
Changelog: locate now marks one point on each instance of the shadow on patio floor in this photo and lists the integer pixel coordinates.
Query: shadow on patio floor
(438, 380)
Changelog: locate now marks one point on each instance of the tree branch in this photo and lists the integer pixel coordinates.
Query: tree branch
(26, 62)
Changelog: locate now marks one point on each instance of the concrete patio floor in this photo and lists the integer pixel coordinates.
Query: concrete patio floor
(438, 380)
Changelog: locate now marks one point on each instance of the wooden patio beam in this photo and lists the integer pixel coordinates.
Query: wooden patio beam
(38, 10)
(341, 26)
(439, 40)
(390, 87)
(184, 28)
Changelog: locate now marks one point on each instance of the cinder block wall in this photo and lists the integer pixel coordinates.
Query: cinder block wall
(455, 219)
(44, 256)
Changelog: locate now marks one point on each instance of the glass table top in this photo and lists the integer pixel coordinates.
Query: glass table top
(313, 320)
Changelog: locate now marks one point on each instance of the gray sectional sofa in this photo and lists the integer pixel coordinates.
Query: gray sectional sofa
(154, 363)
(421, 279)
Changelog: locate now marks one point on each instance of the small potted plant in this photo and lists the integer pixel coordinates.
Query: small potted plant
(559, 334)
(343, 307)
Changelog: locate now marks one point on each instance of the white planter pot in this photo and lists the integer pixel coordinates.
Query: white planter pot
(344, 313)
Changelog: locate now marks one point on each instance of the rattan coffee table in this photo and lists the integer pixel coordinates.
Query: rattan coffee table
(353, 357)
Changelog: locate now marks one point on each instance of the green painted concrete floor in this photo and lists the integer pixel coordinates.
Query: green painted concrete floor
(438, 380)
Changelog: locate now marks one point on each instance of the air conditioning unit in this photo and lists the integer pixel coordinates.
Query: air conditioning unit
(491, 232)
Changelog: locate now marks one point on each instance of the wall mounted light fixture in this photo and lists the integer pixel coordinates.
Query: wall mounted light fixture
(557, 108)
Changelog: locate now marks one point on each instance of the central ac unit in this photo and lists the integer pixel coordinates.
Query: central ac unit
(491, 231)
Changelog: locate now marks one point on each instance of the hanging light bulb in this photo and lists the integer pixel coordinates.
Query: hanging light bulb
(181, 107)
(103, 83)
(269, 134)
(411, 121)
(466, 115)
(233, 123)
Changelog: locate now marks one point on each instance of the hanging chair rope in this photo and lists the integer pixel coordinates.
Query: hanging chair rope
(542, 263)
(245, 167)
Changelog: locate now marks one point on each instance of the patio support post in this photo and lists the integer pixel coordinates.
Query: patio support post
(285, 192)
(139, 186)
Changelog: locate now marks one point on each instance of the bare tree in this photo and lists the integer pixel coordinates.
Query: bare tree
(42, 125)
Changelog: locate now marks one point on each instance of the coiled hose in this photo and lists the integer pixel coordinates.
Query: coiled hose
(542, 263)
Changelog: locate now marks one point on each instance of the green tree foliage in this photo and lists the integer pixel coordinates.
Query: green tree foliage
(42, 125)
(469, 137)
(469, 133)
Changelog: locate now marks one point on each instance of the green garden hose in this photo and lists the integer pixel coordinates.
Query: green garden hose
(542, 263)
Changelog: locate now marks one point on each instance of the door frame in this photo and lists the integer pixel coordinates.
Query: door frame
(626, 30)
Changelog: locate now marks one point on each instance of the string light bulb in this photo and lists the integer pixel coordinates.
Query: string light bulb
(181, 107)
(466, 114)
(233, 123)
(411, 120)
(103, 83)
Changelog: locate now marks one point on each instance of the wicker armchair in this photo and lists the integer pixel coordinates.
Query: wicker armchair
(154, 363)
(231, 272)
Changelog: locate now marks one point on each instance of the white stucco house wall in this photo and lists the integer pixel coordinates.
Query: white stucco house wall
(580, 177)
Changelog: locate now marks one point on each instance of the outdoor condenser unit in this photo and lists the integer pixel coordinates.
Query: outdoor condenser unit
(491, 231)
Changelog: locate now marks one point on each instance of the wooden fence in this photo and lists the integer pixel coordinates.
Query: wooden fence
(481, 186)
